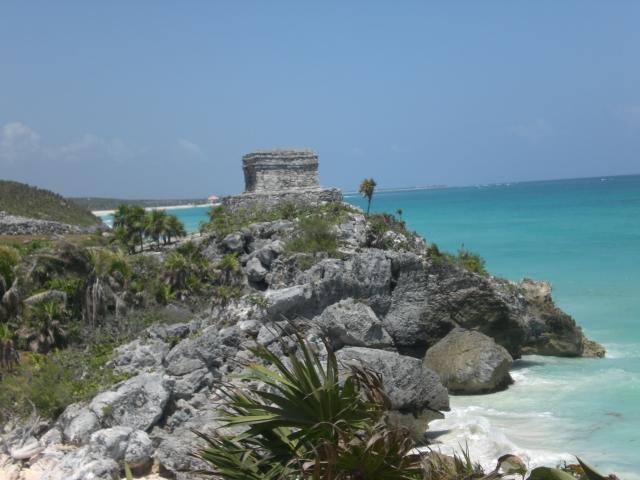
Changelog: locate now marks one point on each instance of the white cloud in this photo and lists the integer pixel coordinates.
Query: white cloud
(533, 131)
(16, 141)
(191, 148)
(91, 146)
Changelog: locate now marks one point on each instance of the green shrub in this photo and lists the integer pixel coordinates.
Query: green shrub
(464, 259)
(52, 382)
(109, 263)
(315, 234)
(9, 258)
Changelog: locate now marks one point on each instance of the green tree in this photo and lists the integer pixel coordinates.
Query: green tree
(367, 187)
(129, 223)
(173, 228)
(154, 227)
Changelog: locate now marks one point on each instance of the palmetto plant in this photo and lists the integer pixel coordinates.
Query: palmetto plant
(172, 228)
(45, 328)
(309, 421)
(154, 227)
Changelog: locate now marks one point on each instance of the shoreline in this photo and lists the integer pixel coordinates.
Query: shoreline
(102, 213)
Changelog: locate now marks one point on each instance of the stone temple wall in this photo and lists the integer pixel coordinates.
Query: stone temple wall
(278, 170)
(275, 177)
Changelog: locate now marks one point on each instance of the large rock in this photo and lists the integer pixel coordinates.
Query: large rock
(408, 320)
(137, 403)
(194, 363)
(364, 275)
(549, 330)
(83, 464)
(255, 270)
(140, 355)
(111, 442)
(77, 423)
(354, 324)
(415, 392)
(139, 450)
(469, 362)
(234, 242)
(409, 385)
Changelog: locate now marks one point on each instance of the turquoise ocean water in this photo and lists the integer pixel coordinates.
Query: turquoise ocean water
(584, 237)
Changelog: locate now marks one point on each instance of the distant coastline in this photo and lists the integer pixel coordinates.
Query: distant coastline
(102, 213)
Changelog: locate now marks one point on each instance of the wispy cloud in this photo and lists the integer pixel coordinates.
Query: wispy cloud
(190, 148)
(533, 131)
(16, 141)
(91, 146)
(21, 143)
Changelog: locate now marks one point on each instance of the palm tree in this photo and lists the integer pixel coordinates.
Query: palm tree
(399, 212)
(129, 226)
(154, 225)
(367, 187)
(173, 228)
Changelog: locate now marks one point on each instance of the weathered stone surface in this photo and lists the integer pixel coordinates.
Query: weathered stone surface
(255, 271)
(16, 225)
(354, 324)
(469, 362)
(280, 170)
(234, 242)
(83, 464)
(411, 387)
(137, 403)
(78, 423)
(139, 450)
(140, 355)
(111, 442)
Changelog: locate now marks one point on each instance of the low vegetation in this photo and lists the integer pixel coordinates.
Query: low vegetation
(24, 200)
(314, 422)
(464, 259)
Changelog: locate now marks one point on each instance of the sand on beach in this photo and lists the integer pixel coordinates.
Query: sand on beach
(101, 213)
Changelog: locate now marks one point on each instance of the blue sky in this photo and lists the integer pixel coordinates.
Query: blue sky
(161, 99)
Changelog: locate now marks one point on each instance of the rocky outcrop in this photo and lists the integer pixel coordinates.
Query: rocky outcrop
(469, 362)
(16, 225)
(383, 308)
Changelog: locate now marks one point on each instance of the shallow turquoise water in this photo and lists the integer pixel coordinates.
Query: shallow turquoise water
(191, 217)
(584, 237)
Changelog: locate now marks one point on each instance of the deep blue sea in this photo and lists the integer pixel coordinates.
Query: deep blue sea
(584, 237)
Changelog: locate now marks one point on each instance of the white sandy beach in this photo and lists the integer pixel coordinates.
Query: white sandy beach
(101, 213)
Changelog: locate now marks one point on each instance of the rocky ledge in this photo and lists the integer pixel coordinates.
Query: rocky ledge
(16, 225)
(425, 324)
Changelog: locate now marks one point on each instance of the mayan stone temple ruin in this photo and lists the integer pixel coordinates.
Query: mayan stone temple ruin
(274, 177)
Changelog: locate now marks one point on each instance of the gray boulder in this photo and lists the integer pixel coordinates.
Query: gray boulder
(139, 450)
(469, 362)
(137, 403)
(415, 392)
(354, 324)
(254, 270)
(234, 242)
(77, 423)
(111, 442)
(84, 464)
(194, 363)
(410, 385)
(140, 355)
